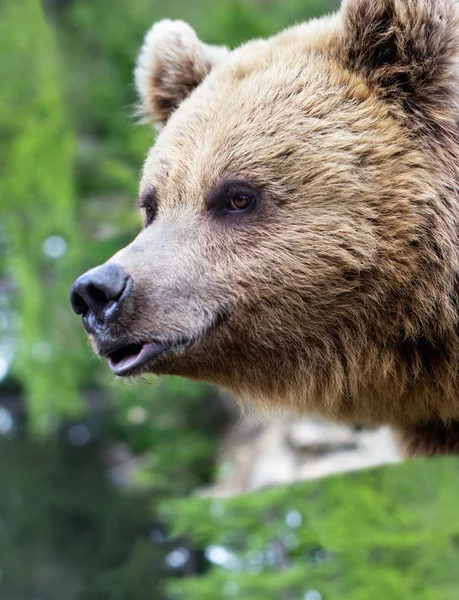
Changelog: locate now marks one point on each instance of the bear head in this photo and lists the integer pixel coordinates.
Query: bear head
(300, 223)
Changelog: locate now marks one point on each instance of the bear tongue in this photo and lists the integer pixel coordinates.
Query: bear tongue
(123, 360)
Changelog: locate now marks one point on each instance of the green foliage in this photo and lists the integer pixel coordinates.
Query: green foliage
(36, 187)
(178, 433)
(66, 533)
(387, 533)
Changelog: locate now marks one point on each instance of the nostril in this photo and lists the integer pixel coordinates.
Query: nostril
(98, 296)
(79, 304)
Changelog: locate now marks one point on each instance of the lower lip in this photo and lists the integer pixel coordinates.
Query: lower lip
(129, 363)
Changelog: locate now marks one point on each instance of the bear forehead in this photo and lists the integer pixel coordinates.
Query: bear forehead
(267, 107)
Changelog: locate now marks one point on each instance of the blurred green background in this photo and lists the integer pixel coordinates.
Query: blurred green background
(94, 474)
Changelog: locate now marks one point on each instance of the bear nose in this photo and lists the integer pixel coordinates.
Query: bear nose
(98, 293)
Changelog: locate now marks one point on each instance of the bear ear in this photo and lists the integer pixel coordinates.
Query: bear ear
(407, 48)
(171, 64)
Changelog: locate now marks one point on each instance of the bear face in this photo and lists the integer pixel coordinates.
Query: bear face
(300, 240)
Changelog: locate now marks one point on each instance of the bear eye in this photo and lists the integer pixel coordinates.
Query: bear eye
(233, 197)
(240, 202)
(150, 214)
(147, 202)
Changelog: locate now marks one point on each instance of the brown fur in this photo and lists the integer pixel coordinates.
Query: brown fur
(430, 438)
(338, 294)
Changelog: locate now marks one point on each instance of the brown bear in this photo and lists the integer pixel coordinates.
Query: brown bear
(300, 204)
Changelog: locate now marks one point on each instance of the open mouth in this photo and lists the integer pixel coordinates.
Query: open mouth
(127, 358)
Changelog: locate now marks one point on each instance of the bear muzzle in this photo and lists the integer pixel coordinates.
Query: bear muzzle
(98, 295)
(105, 298)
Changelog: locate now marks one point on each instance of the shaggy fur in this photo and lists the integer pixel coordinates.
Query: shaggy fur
(338, 293)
